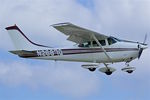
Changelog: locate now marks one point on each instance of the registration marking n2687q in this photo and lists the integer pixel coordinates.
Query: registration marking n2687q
(51, 52)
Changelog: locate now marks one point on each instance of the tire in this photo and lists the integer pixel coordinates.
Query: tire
(108, 73)
(92, 69)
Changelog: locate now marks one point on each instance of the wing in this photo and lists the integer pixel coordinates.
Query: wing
(78, 34)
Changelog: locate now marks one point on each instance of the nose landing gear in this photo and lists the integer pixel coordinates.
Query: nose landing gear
(128, 69)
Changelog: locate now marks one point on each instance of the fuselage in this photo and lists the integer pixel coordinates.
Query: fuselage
(118, 52)
(91, 47)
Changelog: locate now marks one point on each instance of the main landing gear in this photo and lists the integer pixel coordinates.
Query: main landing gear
(107, 70)
(128, 69)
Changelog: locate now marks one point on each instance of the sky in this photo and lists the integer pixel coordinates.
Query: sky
(28, 79)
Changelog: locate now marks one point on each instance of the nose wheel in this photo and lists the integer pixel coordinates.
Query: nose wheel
(128, 69)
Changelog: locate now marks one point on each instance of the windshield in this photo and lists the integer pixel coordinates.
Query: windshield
(117, 39)
(111, 40)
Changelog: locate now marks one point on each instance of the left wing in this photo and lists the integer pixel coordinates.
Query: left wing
(78, 34)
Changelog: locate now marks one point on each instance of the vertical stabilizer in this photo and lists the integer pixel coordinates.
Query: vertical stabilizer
(20, 41)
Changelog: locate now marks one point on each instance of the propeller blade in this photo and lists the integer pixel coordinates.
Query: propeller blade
(145, 38)
(140, 53)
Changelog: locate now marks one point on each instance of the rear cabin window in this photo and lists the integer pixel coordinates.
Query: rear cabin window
(88, 44)
(111, 41)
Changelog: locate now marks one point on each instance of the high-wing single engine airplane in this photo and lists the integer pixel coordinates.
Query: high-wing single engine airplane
(92, 47)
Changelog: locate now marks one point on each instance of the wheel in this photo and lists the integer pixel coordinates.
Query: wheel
(92, 69)
(129, 71)
(108, 72)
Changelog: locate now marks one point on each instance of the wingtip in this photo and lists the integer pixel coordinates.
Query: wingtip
(12, 27)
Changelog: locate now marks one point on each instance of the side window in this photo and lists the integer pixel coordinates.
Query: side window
(95, 43)
(111, 41)
(86, 44)
(81, 45)
(102, 42)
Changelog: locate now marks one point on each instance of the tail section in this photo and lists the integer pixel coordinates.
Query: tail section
(20, 41)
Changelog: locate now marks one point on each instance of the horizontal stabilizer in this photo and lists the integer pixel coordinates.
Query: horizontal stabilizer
(24, 53)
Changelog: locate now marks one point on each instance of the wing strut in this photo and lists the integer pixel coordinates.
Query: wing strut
(102, 48)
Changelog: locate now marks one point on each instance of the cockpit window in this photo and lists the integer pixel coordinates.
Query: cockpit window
(111, 41)
(116, 39)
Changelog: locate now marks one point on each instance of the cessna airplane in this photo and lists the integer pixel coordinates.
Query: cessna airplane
(92, 47)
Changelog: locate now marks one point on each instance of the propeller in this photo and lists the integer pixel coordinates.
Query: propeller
(139, 46)
(145, 38)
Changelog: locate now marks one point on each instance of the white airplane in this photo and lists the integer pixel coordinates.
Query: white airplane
(92, 47)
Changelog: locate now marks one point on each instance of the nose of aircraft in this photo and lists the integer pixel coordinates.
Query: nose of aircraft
(141, 48)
